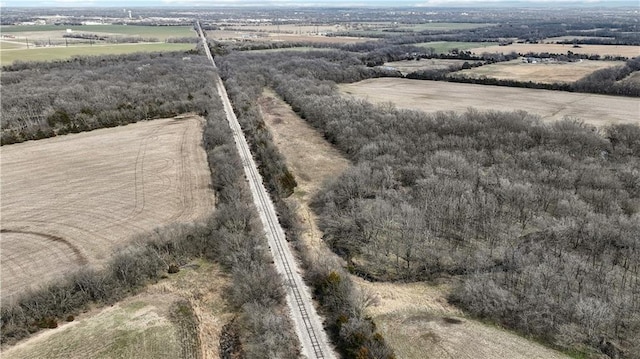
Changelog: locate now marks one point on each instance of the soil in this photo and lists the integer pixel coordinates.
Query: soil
(69, 201)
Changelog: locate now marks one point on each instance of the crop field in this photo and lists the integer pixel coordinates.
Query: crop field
(424, 64)
(59, 53)
(433, 96)
(71, 200)
(443, 47)
(53, 31)
(551, 72)
(415, 319)
(180, 317)
(602, 50)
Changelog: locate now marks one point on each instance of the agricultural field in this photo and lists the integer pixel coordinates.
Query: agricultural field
(70, 200)
(542, 72)
(9, 56)
(554, 40)
(602, 50)
(408, 66)
(444, 47)
(46, 42)
(432, 96)
(415, 319)
(180, 317)
(248, 35)
(44, 32)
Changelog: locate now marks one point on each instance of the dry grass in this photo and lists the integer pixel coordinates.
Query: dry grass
(70, 200)
(634, 77)
(311, 159)
(415, 318)
(142, 326)
(540, 72)
(432, 96)
(425, 64)
(602, 50)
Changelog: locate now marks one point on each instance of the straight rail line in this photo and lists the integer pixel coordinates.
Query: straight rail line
(308, 325)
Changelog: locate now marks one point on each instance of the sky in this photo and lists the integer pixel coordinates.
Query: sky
(276, 3)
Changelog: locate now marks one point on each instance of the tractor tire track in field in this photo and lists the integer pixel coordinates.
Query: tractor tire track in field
(81, 259)
(307, 323)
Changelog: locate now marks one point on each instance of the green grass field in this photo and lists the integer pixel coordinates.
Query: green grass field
(299, 49)
(58, 53)
(160, 32)
(443, 47)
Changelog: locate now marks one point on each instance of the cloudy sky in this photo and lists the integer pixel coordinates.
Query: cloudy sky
(373, 3)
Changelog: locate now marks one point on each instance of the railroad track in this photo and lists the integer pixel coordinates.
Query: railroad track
(308, 325)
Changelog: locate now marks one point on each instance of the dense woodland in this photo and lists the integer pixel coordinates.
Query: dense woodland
(46, 99)
(539, 221)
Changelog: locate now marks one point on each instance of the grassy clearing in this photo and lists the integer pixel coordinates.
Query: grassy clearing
(443, 47)
(432, 96)
(540, 72)
(634, 77)
(11, 45)
(160, 32)
(60, 53)
(161, 322)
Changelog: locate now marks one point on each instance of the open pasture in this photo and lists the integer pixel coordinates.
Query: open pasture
(433, 96)
(542, 72)
(69, 201)
(60, 53)
(602, 50)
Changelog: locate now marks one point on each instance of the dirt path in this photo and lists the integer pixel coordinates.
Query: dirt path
(415, 318)
(71, 200)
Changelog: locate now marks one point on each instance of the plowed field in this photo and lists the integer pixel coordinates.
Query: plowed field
(432, 96)
(69, 201)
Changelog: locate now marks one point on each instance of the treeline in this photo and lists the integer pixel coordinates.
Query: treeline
(343, 305)
(231, 236)
(605, 81)
(539, 220)
(86, 93)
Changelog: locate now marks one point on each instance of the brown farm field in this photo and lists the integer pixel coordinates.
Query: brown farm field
(433, 96)
(551, 72)
(415, 319)
(69, 201)
(602, 50)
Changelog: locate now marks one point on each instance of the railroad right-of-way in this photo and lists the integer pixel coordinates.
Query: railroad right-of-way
(308, 325)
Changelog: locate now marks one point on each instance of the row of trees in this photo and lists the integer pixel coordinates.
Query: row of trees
(231, 236)
(606, 81)
(539, 220)
(343, 304)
